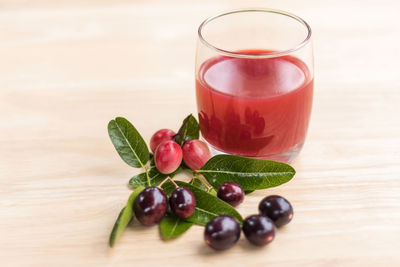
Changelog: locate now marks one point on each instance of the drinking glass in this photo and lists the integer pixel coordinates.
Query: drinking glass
(254, 83)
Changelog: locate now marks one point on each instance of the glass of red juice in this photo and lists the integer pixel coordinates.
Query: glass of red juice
(254, 83)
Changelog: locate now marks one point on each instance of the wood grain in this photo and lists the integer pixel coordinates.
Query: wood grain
(68, 67)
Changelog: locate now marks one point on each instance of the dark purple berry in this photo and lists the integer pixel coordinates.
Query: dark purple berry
(182, 202)
(150, 205)
(277, 208)
(259, 229)
(231, 193)
(222, 232)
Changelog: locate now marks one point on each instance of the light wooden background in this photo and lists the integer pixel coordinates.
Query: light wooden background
(68, 67)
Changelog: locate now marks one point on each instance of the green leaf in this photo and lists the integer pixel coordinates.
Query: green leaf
(212, 191)
(199, 183)
(141, 179)
(207, 205)
(124, 217)
(190, 129)
(172, 226)
(168, 187)
(249, 173)
(128, 142)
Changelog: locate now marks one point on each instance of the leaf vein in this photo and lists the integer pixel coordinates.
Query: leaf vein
(245, 173)
(129, 144)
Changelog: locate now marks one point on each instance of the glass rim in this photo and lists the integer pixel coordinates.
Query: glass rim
(265, 55)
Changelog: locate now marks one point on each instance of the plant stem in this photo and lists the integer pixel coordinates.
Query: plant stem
(172, 181)
(192, 171)
(168, 179)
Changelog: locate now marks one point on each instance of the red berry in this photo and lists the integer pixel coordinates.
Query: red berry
(159, 137)
(195, 154)
(231, 193)
(182, 202)
(168, 157)
(150, 205)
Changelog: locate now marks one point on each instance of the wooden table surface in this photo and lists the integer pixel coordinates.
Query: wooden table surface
(68, 67)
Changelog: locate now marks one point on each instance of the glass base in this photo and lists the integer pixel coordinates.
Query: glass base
(286, 157)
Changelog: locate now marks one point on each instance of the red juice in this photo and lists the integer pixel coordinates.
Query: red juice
(254, 106)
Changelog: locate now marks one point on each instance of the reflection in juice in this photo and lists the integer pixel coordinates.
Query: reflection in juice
(254, 106)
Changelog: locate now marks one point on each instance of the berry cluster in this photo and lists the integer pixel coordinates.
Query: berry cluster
(174, 152)
(168, 154)
(222, 232)
(151, 204)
